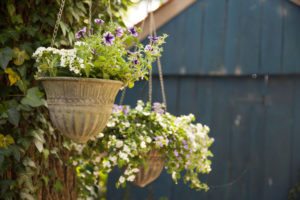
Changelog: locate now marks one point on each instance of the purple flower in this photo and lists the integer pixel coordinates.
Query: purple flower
(99, 21)
(176, 153)
(135, 61)
(148, 47)
(185, 145)
(119, 32)
(158, 108)
(116, 108)
(153, 39)
(108, 38)
(80, 33)
(133, 31)
(126, 110)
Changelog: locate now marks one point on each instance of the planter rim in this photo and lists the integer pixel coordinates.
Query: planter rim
(78, 79)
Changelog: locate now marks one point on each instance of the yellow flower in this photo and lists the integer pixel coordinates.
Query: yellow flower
(12, 76)
(5, 141)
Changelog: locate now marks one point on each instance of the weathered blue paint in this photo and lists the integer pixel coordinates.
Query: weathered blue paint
(234, 37)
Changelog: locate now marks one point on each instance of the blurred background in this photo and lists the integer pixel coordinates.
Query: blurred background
(235, 64)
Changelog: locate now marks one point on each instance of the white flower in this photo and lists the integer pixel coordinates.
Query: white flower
(111, 123)
(121, 179)
(174, 175)
(119, 143)
(131, 178)
(139, 108)
(135, 170)
(75, 163)
(113, 159)
(148, 139)
(124, 156)
(101, 135)
(106, 164)
(126, 149)
(143, 144)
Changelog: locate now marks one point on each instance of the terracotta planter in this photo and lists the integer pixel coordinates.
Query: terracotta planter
(80, 107)
(151, 171)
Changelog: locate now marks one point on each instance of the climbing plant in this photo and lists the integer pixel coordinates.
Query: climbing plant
(32, 156)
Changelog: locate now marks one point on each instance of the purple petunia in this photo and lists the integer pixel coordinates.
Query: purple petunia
(158, 108)
(119, 32)
(176, 153)
(153, 39)
(148, 47)
(108, 38)
(80, 33)
(99, 21)
(135, 61)
(133, 31)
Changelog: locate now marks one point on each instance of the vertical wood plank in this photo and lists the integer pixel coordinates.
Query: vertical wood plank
(291, 48)
(232, 40)
(272, 34)
(250, 36)
(214, 30)
(277, 141)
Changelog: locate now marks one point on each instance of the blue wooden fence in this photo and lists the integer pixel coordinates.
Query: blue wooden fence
(235, 64)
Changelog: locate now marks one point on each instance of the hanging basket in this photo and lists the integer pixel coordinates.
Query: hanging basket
(80, 107)
(152, 169)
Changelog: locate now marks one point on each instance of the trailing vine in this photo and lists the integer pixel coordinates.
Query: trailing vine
(32, 155)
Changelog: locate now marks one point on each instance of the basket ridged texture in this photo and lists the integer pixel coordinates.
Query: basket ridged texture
(80, 107)
(152, 169)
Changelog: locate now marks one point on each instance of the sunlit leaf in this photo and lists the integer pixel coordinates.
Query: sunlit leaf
(13, 77)
(19, 56)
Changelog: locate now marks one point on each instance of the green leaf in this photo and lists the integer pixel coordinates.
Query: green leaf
(39, 145)
(27, 196)
(58, 186)
(13, 116)
(6, 55)
(16, 152)
(11, 9)
(33, 98)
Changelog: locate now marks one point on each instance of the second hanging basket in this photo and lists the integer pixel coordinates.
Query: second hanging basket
(151, 170)
(80, 107)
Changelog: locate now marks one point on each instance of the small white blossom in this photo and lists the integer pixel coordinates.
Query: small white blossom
(121, 179)
(131, 178)
(119, 143)
(143, 144)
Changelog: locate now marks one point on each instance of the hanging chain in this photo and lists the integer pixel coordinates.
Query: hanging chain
(161, 80)
(109, 10)
(62, 5)
(90, 18)
(124, 90)
(159, 65)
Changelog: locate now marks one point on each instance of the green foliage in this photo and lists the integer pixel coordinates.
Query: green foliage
(104, 55)
(132, 133)
(28, 143)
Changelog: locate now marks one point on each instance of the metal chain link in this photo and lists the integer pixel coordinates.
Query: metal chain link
(122, 98)
(150, 86)
(90, 18)
(109, 10)
(62, 5)
(159, 65)
(161, 80)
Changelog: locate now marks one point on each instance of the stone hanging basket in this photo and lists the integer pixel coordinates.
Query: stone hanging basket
(151, 171)
(80, 107)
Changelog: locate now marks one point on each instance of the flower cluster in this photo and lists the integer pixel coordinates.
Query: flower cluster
(112, 52)
(132, 133)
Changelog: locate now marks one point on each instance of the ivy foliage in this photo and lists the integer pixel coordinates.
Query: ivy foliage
(29, 146)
